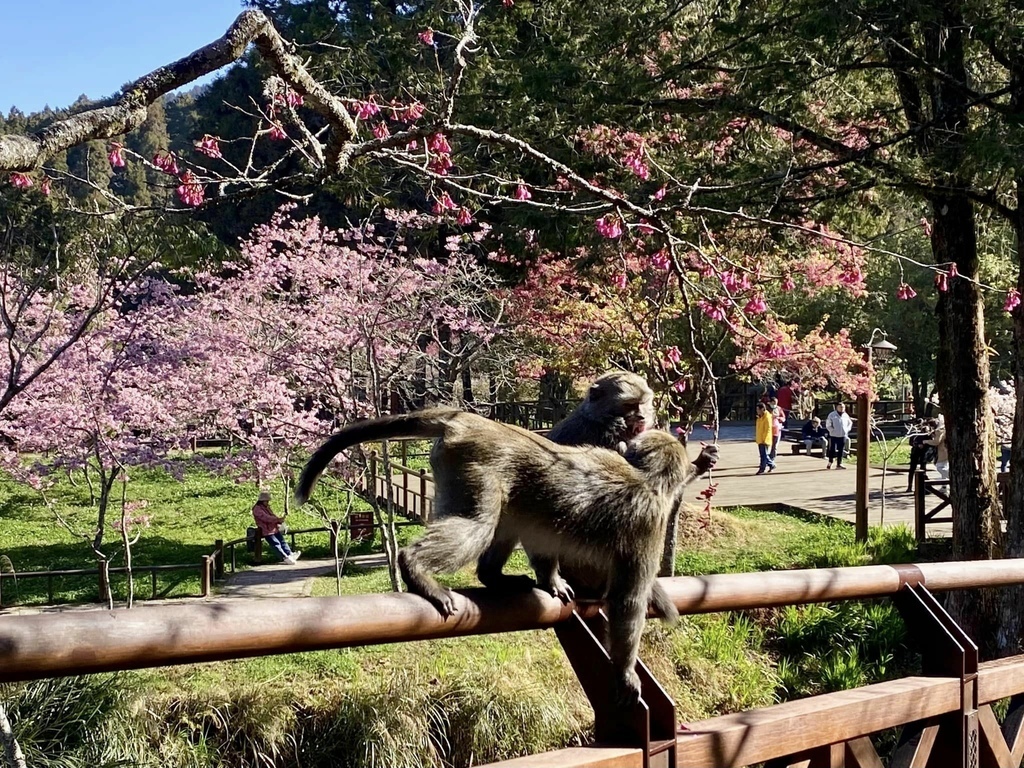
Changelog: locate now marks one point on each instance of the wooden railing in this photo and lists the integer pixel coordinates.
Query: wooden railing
(102, 573)
(939, 488)
(945, 711)
(411, 490)
(531, 414)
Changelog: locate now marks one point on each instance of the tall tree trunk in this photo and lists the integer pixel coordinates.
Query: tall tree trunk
(963, 380)
(467, 384)
(1012, 622)
(106, 486)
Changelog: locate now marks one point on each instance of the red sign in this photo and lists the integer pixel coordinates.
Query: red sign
(360, 525)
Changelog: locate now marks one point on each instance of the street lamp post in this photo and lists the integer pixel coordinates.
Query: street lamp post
(881, 351)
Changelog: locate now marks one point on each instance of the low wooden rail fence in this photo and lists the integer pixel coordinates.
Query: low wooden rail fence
(939, 488)
(102, 576)
(945, 712)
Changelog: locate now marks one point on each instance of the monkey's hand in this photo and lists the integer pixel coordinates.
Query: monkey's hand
(706, 460)
(559, 588)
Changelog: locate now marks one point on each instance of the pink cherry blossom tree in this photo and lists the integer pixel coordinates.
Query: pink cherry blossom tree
(97, 411)
(312, 327)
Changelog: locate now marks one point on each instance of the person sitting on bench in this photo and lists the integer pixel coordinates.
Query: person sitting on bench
(813, 434)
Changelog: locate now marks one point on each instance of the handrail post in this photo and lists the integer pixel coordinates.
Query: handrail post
(649, 724)
(919, 520)
(946, 651)
(207, 572)
(423, 496)
(257, 547)
(218, 554)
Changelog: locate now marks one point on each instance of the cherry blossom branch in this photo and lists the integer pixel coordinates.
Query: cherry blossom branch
(129, 111)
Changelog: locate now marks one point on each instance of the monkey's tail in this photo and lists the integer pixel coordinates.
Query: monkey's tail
(664, 608)
(423, 424)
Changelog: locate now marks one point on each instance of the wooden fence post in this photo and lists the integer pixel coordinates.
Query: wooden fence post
(257, 547)
(919, 491)
(373, 475)
(423, 495)
(218, 563)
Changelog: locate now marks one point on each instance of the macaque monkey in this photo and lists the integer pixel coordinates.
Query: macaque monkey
(499, 483)
(619, 406)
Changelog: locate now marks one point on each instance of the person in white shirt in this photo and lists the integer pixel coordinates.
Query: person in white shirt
(838, 425)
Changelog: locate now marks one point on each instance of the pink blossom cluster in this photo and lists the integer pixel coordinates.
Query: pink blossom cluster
(443, 204)
(904, 292)
(209, 146)
(609, 225)
(367, 109)
(190, 191)
(21, 180)
(1012, 300)
(661, 260)
(116, 155)
(714, 309)
(166, 162)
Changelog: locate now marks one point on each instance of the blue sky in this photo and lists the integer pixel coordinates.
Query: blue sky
(56, 50)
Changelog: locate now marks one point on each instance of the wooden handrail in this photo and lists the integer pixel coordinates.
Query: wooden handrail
(757, 735)
(33, 646)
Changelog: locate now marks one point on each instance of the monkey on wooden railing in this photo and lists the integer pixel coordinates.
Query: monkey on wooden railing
(497, 483)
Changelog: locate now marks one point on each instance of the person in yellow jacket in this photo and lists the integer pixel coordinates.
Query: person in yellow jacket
(763, 438)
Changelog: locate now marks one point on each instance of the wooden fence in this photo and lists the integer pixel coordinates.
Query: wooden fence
(945, 712)
(102, 573)
(939, 488)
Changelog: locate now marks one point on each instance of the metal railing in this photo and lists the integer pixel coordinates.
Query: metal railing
(947, 705)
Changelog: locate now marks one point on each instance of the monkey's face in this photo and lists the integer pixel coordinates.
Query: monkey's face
(625, 396)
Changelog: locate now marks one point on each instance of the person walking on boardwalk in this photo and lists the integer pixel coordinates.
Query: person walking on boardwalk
(838, 425)
(270, 528)
(778, 422)
(763, 438)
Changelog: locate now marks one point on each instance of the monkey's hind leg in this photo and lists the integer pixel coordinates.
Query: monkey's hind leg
(449, 544)
(628, 596)
(490, 564)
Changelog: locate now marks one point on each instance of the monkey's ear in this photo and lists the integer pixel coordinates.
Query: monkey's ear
(596, 392)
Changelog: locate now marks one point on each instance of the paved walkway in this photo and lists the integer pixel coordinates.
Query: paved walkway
(802, 481)
(274, 579)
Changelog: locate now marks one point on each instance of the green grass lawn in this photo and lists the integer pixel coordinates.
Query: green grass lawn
(189, 511)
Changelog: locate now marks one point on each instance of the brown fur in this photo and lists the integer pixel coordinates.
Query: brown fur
(496, 483)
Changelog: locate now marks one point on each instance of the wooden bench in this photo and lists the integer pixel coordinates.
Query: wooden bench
(795, 436)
